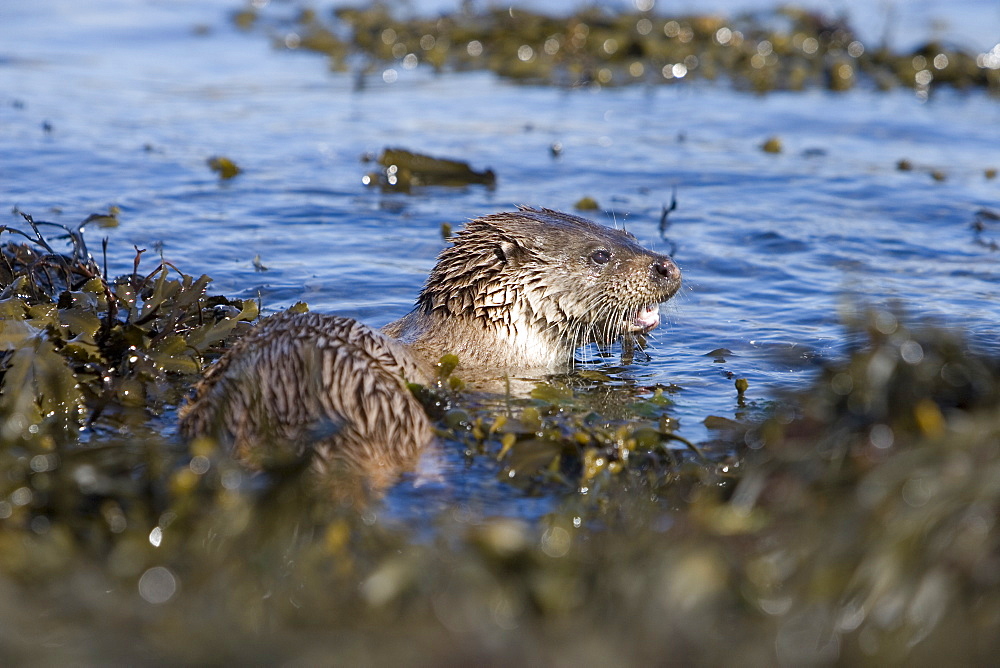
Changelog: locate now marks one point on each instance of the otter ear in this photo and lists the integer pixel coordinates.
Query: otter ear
(507, 250)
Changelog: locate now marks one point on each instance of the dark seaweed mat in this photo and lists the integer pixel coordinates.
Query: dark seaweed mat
(785, 49)
(857, 525)
(77, 344)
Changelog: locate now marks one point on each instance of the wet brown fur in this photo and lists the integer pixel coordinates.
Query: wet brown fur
(315, 385)
(520, 290)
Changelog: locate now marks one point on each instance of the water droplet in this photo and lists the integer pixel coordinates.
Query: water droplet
(157, 585)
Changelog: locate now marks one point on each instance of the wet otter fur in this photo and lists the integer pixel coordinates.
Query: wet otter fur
(517, 292)
(308, 379)
(524, 290)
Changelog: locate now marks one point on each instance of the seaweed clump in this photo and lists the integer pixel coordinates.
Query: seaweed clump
(87, 364)
(857, 525)
(583, 433)
(878, 503)
(78, 346)
(832, 543)
(787, 49)
(403, 170)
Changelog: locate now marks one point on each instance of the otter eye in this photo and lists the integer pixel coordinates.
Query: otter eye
(600, 256)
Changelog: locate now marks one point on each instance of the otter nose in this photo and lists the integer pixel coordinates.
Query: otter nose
(665, 267)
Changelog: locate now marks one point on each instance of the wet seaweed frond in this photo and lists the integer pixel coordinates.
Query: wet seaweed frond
(580, 431)
(77, 346)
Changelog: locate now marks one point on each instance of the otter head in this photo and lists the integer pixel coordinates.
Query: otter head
(547, 282)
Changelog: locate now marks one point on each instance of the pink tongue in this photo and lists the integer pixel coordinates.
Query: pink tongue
(648, 317)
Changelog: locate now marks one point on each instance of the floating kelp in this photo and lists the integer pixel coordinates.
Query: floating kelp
(574, 433)
(109, 219)
(787, 49)
(403, 170)
(772, 145)
(224, 167)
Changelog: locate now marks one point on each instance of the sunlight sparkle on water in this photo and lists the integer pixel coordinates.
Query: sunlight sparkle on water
(990, 59)
(675, 71)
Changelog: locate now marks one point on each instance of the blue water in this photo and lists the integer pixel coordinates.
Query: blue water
(773, 247)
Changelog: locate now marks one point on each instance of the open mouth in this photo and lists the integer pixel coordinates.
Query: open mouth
(646, 318)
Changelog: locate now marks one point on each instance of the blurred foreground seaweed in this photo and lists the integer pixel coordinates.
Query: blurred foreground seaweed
(858, 524)
(785, 49)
